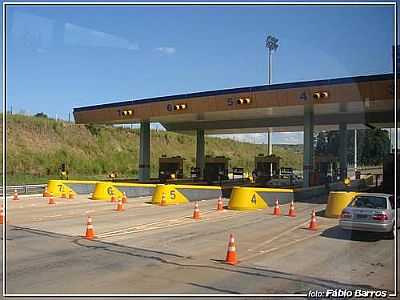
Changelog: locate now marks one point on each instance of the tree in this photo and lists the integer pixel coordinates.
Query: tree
(321, 144)
(41, 115)
(372, 144)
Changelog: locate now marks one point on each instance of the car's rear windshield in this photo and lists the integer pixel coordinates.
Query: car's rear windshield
(369, 202)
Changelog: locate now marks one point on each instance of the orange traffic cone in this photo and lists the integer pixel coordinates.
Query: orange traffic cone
(51, 200)
(46, 192)
(277, 209)
(313, 222)
(89, 229)
(1, 214)
(124, 198)
(231, 254)
(63, 195)
(113, 198)
(15, 196)
(120, 206)
(291, 213)
(163, 200)
(220, 204)
(71, 195)
(196, 212)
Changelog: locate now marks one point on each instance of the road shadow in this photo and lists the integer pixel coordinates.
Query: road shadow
(360, 236)
(320, 199)
(131, 256)
(214, 289)
(320, 213)
(226, 192)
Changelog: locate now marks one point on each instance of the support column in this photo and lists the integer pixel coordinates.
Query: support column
(343, 150)
(144, 151)
(200, 151)
(308, 141)
(355, 152)
(270, 148)
(269, 141)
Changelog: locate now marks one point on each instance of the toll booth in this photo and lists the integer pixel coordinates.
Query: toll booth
(263, 165)
(216, 168)
(113, 175)
(63, 171)
(170, 167)
(238, 172)
(326, 169)
(287, 173)
(195, 173)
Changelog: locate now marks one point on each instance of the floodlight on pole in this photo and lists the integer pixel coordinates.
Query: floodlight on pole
(271, 44)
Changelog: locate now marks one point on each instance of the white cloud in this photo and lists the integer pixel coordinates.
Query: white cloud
(261, 138)
(288, 138)
(166, 50)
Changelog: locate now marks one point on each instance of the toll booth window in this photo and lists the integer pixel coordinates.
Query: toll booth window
(194, 173)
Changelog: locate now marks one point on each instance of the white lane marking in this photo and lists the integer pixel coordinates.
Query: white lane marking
(52, 216)
(25, 196)
(161, 225)
(278, 236)
(277, 248)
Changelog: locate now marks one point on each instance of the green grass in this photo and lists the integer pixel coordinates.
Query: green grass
(36, 147)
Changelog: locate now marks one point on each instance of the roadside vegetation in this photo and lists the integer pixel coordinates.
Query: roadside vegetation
(37, 146)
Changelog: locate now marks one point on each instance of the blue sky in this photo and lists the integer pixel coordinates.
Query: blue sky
(63, 57)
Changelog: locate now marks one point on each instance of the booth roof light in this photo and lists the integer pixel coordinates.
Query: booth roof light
(244, 100)
(128, 112)
(180, 106)
(320, 95)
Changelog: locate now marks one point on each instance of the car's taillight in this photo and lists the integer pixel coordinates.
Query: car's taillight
(346, 215)
(380, 217)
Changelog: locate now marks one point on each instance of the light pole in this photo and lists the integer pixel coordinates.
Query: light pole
(271, 44)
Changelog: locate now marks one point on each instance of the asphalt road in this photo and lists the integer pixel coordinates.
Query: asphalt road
(150, 249)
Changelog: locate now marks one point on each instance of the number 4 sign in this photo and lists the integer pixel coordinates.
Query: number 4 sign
(254, 199)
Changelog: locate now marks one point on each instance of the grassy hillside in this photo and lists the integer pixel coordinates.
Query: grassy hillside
(37, 146)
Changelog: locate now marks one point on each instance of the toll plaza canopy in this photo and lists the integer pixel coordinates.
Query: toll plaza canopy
(363, 100)
(332, 104)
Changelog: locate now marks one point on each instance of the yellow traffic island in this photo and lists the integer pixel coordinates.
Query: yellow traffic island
(250, 198)
(245, 198)
(167, 194)
(58, 188)
(337, 201)
(104, 190)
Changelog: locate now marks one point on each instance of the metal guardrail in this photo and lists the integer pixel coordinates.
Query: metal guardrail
(27, 189)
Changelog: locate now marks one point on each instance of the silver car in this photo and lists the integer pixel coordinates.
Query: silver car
(370, 212)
